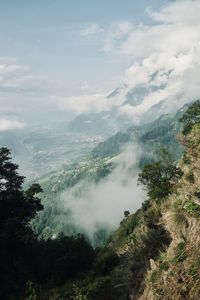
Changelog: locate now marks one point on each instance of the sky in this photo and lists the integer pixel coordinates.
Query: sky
(60, 58)
(63, 39)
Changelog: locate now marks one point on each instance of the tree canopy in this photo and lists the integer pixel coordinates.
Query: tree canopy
(191, 117)
(159, 176)
(23, 257)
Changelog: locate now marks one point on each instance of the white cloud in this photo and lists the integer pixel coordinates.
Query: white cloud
(165, 61)
(181, 11)
(165, 58)
(12, 75)
(6, 125)
(91, 30)
(83, 103)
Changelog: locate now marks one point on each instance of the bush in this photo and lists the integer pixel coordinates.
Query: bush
(190, 177)
(63, 258)
(191, 117)
(160, 176)
(192, 208)
(180, 253)
(105, 261)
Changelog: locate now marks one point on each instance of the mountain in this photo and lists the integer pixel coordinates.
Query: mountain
(154, 254)
(64, 188)
(42, 149)
(104, 123)
(149, 136)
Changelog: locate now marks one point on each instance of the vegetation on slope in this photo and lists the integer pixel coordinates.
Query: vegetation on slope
(175, 275)
(153, 255)
(150, 137)
(53, 219)
(158, 246)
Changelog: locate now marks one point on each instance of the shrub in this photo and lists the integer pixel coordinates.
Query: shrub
(190, 177)
(160, 176)
(192, 208)
(106, 260)
(191, 117)
(180, 253)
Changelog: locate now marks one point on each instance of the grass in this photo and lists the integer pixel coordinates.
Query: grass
(180, 253)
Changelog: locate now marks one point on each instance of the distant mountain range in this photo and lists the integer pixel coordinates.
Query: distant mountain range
(40, 150)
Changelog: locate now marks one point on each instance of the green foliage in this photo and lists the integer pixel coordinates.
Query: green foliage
(155, 240)
(78, 294)
(186, 159)
(193, 271)
(150, 137)
(102, 288)
(152, 216)
(154, 276)
(180, 253)
(24, 258)
(164, 266)
(152, 243)
(31, 291)
(126, 213)
(160, 176)
(17, 208)
(191, 117)
(192, 208)
(62, 258)
(111, 147)
(105, 261)
(126, 230)
(53, 219)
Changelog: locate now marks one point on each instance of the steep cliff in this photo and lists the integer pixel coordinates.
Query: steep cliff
(175, 274)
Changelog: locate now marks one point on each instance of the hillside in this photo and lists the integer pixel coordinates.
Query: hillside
(154, 254)
(101, 162)
(159, 244)
(151, 136)
(175, 273)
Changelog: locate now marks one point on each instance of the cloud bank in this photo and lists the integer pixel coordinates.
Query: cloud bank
(100, 206)
(165, 58)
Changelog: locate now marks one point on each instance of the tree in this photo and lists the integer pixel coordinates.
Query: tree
(190, 117)
(160, 176)
(17, 209)
(23, 257)
(126, 213)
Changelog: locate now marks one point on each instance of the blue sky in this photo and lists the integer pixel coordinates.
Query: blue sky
(45, 35)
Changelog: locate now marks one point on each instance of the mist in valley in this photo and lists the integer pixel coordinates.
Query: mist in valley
(94, 207)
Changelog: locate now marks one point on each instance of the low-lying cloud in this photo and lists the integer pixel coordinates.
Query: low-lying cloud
(101, 206)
